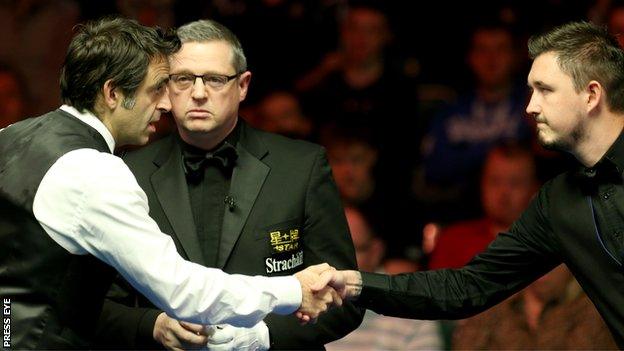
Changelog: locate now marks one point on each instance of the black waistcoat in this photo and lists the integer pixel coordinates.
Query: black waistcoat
(55, 296)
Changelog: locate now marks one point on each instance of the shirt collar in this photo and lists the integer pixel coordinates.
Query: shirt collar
(612, 161)
(90, 119)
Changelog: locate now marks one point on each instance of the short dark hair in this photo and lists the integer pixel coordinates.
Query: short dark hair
(586, 52)
(118, 49)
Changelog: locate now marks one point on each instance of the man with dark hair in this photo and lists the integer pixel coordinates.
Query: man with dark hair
(90, 211)
(235, 198)
(577, 78)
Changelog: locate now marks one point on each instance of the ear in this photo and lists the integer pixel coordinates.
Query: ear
(595, 93)
(243, 84)
(111, 95)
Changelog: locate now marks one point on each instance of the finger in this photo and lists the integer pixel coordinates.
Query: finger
(326, 278)
(319, 268)
(195, 328)
(194, 339)
(304, 319)
(190, 337)
(337, 300)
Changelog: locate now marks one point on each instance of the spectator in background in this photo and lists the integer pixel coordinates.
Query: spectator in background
(379, 332)
(362, 85)
(553, 313)
(352, 158)
(355, 163)
(12, 97)
(280, 112)
(460, 136)
(508, 183)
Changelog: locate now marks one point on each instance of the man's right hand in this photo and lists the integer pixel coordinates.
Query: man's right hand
(177, 335)
(318, 301)
(347, 283)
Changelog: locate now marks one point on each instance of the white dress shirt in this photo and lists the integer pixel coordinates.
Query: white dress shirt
(90, 203)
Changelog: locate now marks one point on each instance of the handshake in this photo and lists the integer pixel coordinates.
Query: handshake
(322, 287)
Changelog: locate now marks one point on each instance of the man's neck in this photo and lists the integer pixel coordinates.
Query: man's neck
(598, 138)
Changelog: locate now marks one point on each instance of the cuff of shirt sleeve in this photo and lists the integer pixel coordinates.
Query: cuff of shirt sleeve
(287, 292)
(373, 286)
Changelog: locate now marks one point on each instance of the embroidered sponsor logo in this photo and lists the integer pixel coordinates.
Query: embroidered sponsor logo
(276, 265)
(284, 240)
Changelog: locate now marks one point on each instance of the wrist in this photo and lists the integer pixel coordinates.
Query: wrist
(353, 284)
(157, 333)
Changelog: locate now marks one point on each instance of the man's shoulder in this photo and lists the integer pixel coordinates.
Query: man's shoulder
(145, 154)
(285, 146)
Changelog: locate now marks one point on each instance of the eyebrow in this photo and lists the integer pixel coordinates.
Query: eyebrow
(539, 84)
(160, 83)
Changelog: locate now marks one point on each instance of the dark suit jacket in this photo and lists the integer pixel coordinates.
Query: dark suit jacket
(278, 185)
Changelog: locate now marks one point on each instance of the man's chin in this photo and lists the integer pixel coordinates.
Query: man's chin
(550, 144)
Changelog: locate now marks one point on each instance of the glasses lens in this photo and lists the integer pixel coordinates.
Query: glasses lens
(215, 81)
(183, 81)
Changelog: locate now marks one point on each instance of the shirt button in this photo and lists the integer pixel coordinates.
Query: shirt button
(606, 196)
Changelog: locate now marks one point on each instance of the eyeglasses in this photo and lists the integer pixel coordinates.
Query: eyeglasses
(184, 81)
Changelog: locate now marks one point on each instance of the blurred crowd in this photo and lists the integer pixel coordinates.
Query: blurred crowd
(421, 110)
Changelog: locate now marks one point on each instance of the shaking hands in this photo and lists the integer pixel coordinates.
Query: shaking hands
(323, 287)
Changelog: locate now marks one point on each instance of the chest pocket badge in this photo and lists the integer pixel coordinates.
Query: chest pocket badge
(284, 240)
(286, 251)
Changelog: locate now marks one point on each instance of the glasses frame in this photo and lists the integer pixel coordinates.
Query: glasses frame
(203, 78)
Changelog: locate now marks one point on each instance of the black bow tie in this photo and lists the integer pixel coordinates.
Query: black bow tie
(194, 163)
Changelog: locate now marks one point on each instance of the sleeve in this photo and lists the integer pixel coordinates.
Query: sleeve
(326, 239)
(127, 320)
(511, 262)
(89, 202)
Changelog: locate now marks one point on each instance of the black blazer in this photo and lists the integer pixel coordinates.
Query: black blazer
(278, 185)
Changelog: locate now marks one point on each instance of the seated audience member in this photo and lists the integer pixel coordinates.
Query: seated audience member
(280, 112)
(353, 160)
(355, 166)
(553, 313)
(490, 112)
(508, 182)
(379, 332)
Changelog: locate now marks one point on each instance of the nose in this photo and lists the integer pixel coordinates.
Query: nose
(533, 108)
(199, 89)
(164, 104)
